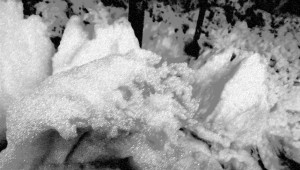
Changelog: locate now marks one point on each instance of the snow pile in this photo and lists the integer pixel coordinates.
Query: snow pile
(135, 106)
(258, 108)
(77, 98)
(243, 102)
(94, 95)
(76, 49)
(25, 52)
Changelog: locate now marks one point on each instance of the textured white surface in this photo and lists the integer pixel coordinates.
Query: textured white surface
(244, 90)
(73, 38)
(85, 90)
(25, 53)
(77, 98)
(76, 50)
(241, 110)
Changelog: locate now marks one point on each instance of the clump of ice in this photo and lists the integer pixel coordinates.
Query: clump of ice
(25, 54)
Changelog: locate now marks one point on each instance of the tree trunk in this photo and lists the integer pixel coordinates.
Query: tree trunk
(136, 18)
(193, 47)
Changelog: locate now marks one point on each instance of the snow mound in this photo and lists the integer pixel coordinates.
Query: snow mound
(25, 54)
(80, 97)
(243, 102)
(76, 49)
(117, 92)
